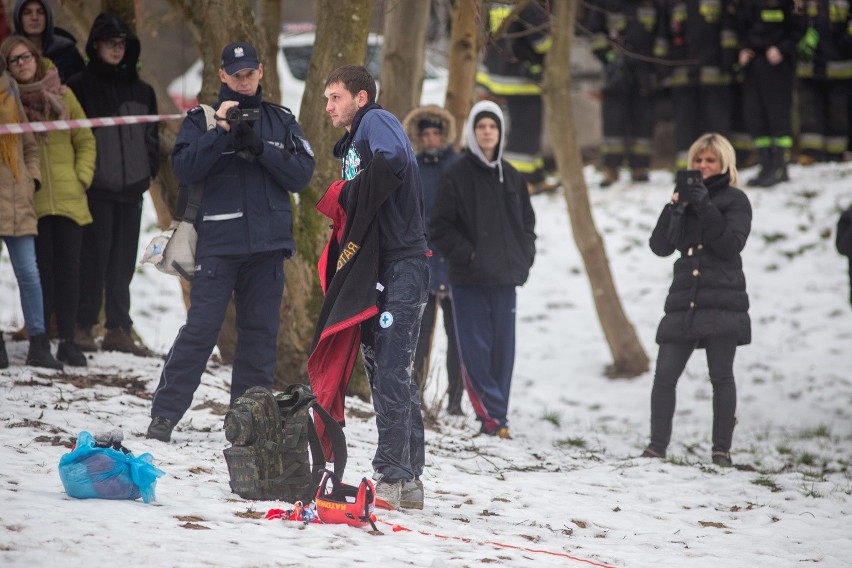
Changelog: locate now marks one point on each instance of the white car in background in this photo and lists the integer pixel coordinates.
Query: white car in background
(294, 57)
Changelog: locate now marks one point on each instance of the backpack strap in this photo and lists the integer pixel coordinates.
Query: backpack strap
(338, 443)
(197, 189)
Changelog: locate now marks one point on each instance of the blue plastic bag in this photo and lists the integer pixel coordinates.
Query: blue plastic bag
(93, 472)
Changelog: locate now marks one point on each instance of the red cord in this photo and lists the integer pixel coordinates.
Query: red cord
(398, 528)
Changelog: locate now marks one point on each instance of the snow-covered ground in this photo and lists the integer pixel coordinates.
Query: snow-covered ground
(567, 491)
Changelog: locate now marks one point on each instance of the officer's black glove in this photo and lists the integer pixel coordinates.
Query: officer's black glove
(248, 139)
(37, 184)
(697, 196)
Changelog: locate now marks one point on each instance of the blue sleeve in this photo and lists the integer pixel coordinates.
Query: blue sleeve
(385, 135)
(291, 168)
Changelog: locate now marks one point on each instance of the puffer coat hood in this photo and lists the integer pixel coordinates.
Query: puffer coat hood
(433, 113)
(108, 26)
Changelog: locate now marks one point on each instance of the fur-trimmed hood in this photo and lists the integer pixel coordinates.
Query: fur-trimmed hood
(430, 112)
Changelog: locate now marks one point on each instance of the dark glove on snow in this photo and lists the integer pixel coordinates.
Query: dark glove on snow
(248, 139)
(697, 196)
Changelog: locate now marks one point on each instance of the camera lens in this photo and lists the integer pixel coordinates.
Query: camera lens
(233, 114)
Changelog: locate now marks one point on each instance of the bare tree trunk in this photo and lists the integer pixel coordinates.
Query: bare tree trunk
(269, 22)
(464, 46)
(629, 356)
(403, 53)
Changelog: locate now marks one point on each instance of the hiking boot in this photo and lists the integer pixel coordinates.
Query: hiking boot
(649, 453)
(389, 493)
(455, 410)
(118, 339)
(610, 176)
(84, 340)
(503, 433)
(160, 429)
(70, 353)
(722, 459)
(4, 357)
(39, 354)
(411, 495)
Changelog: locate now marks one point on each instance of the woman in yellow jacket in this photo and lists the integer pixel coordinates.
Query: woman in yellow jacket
(67, 159)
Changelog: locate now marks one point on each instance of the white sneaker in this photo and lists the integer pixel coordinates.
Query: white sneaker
(388, 494)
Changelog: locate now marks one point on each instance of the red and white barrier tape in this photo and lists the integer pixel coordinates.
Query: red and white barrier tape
(47, 125)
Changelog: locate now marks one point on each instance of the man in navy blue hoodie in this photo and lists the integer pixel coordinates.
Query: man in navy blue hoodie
(388, 340)
(245, 231)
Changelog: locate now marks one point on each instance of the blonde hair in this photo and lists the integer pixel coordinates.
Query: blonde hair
(723, 150)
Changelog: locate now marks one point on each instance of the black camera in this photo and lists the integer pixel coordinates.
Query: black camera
(235, 115)
(686, 178)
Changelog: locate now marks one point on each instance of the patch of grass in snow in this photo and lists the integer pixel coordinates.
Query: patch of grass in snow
(821, 431)
(767, 482)
(571, 443)
(553, 417)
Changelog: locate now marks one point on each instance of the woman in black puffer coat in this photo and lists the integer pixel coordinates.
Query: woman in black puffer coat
(707, 305)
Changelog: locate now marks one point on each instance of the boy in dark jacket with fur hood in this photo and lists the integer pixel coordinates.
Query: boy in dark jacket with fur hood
(127, 161)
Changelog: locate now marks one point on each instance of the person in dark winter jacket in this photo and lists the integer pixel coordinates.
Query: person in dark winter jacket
(824, 71)
(708, 222)
(34, 19)
(127, 161)
(624, 37)
(388, 339)
(245, 231)
(843, 241)
(483, 222)
(768, 33)
(432, 131)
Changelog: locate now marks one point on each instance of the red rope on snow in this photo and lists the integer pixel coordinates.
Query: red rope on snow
(47, 125)
(398, 528)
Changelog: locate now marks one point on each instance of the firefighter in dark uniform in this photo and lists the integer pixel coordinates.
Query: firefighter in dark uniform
(623, 38)
(824, 70)
(699, 40)
(249, 168)
(769, 31)
(512, 77)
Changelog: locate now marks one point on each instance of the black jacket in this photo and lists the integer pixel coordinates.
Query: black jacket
(128, 156)
(57, 44)
(832, 58)
(475, 213)
(702, 39)
(766, 23)
(708, 296)
(632, 25)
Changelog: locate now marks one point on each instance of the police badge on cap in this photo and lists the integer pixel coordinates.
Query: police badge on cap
(238, 56)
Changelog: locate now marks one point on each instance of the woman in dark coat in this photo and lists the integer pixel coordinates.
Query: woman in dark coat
(707, 305)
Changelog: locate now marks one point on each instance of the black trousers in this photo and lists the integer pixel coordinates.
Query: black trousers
(628, 128)
(824, 118)
(768, 98)
(58, 253)
(108, 261)
(388, 343)
(523, 142)
(671, 360)
(424, 348)
(698, 110)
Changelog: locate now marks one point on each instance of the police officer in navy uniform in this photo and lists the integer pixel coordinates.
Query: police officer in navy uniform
(245, 232)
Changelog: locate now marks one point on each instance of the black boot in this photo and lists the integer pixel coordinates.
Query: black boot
(4, 358)
(39, 354)
(764, 156)
(70, 353)
(780, 157)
